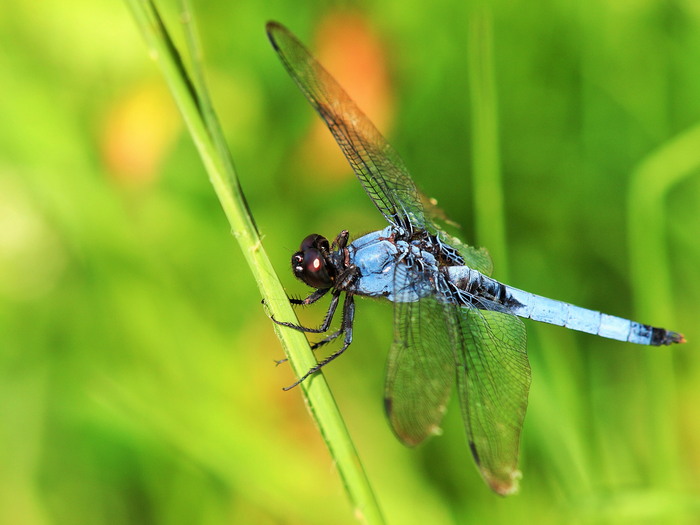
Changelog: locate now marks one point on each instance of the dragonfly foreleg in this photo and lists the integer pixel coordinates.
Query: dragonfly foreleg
(311, 299)
(346, 328)
(341, 241)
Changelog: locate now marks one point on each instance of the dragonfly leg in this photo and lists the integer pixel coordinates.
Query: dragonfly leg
(315, 296)
(341, 241)
(328, 339)
(346, 328)
(315, 346)
(311, 299)
(346, 277)
(326, 321)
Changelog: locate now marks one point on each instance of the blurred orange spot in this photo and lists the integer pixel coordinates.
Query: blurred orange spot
(355, 57)
(137, 133)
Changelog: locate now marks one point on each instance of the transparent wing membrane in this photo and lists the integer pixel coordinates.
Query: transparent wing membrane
(420, 367)
(377, 165)
(493, 385)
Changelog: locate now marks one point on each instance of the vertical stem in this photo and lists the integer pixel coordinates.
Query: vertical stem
(197, 111)
(488, 188)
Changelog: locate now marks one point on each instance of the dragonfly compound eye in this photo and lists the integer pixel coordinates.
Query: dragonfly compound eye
(310, 267)
(316, 241)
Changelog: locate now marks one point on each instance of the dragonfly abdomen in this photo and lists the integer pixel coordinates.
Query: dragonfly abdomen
(545, 310)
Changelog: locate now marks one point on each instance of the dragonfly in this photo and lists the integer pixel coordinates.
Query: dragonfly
(454, 325)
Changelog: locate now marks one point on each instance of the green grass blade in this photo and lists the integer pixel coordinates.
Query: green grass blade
(651, 182)
(197, 111)
(652, 286)
(489, 214)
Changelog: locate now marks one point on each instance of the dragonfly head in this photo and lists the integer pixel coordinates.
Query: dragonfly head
(312, 264)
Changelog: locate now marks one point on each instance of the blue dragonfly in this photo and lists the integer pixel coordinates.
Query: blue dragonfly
(453, 323)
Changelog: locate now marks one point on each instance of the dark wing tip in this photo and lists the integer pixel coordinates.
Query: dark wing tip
(271, 28)
(475, 453)
(273, 25)
(388, 405)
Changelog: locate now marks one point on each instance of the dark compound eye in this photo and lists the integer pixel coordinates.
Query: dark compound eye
(316, 241)
(309, 264)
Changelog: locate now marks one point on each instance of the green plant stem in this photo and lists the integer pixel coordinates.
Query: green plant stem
(197, 111)
(488, 188)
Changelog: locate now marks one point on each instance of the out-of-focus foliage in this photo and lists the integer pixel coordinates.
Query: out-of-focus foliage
(137, 382)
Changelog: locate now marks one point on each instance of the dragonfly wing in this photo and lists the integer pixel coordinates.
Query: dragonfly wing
(377, 165)
(476, 258)
(420, 367)
(493, 387)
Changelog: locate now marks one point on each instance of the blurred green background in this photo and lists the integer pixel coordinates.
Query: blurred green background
(137, 382)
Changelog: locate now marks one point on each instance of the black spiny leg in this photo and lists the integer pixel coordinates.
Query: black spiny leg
(310, 300)
(326, 321)
(345, 327)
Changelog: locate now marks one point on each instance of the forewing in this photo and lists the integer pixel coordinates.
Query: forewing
(493, 390)
(377, 165)
(420, 367)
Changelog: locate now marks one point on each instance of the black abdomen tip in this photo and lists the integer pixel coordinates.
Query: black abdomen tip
(661, 337)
